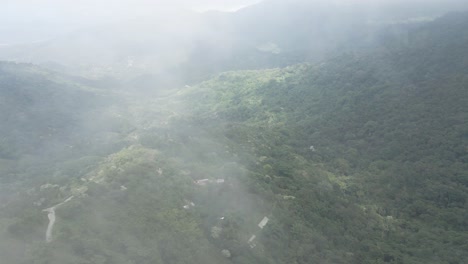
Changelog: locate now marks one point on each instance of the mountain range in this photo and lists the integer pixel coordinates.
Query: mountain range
(341, 143)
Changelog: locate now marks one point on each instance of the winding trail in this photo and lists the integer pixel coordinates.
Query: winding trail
(51, 216)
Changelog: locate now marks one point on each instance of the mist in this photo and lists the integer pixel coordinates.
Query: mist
(106, 39)
(234, 131)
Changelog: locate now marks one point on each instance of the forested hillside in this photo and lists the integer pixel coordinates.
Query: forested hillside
(39, 107)
(361, 158)
(388, 129)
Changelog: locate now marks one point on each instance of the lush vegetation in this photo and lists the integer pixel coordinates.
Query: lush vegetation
(360, 159)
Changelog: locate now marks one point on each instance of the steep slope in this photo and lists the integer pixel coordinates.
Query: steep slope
(387, 129)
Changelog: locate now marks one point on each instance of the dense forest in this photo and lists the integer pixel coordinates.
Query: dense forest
(360, 156)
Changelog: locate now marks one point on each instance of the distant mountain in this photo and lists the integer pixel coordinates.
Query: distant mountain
(187, 48)
(280, 33)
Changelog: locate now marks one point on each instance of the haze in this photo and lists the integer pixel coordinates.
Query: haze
(233, 132)
(25, 21)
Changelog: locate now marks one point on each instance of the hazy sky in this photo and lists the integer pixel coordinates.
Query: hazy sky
(31, 20)
(79, 11)
(75, 5)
